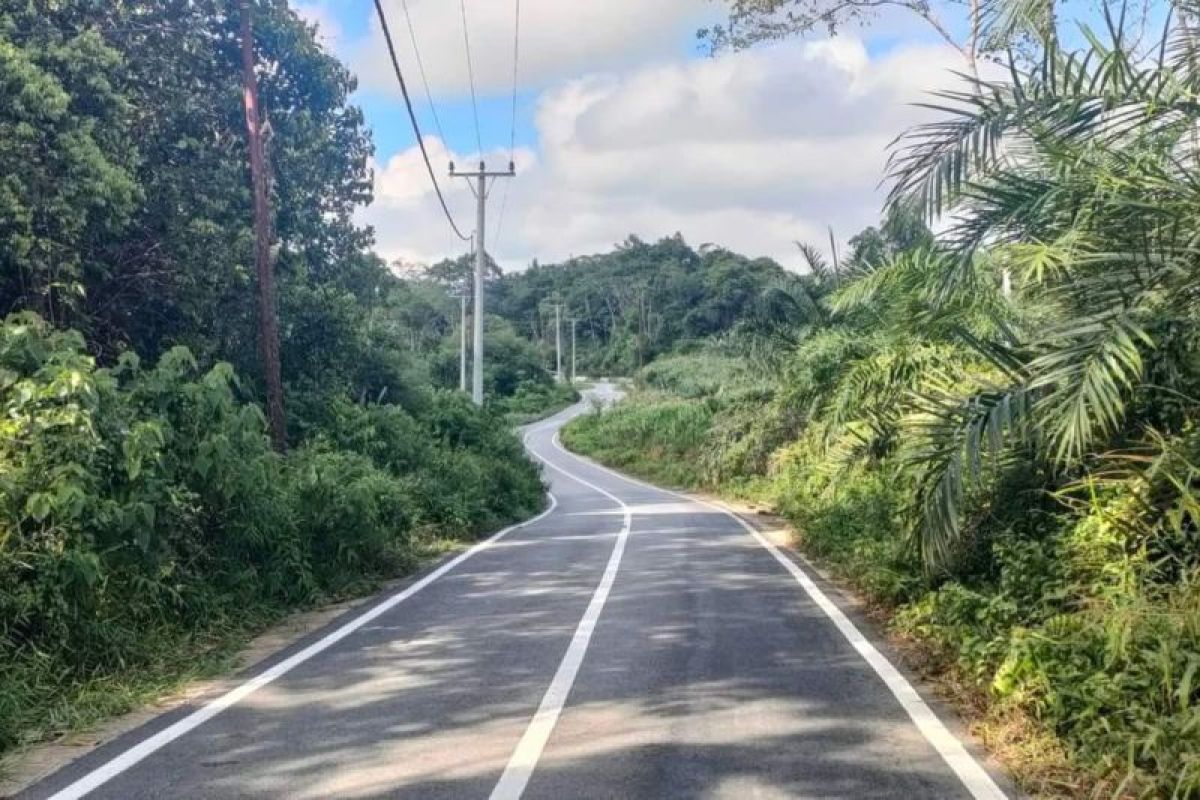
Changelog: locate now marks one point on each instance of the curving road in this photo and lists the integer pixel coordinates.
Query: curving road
(628, 643)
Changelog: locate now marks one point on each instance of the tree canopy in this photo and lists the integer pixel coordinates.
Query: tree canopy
(640, 300)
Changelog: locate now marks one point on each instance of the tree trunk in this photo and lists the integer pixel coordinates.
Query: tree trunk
(976, 32)
(268, 333)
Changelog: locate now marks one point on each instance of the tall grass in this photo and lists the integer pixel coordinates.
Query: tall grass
(656, 438)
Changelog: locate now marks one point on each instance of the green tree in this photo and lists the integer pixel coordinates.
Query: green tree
(1096, 222)
(66, 155)
(460, 272)
(640, 300)
(992, 27)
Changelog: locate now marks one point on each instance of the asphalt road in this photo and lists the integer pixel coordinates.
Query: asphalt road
(631, 643)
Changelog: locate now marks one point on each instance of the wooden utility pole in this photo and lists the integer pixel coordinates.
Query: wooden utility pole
(268, 324)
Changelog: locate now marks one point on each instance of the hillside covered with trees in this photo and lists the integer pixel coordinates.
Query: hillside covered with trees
(639, 301)
(993, 431)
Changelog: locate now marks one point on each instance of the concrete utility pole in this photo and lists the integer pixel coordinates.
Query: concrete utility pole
(573, 321)
(558, 373)
(481, 193)
(462, 296)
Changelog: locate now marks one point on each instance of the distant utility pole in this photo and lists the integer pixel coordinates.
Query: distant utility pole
(462, 296)
(481, 194)
(558, 373)
(268, 332)
(573, 321)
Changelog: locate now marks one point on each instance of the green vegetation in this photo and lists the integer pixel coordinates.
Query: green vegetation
(144, 509)
(994, 431)
(146, 525)
(655, 436)
(638, 302)
(515, 378)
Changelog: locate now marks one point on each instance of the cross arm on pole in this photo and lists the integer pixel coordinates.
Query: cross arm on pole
(483, 172)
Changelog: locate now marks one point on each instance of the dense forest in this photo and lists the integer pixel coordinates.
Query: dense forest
(145, 520)
(639, 301)
(992, 431)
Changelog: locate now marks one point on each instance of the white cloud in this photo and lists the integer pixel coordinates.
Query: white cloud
(751, 151)
(407, 217)
(559, 39)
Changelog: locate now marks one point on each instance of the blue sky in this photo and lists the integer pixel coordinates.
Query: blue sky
(624, 127)
(354, 21)
(393, 133)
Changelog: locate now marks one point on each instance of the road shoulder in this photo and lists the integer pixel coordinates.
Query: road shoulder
(939, 691)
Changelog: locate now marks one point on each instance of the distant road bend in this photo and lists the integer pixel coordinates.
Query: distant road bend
(628, 643)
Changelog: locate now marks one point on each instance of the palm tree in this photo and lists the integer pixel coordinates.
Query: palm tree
(1080, 176)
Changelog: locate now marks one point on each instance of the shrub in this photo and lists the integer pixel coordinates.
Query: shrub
(695, 376)
(143, 512)
(353, 518)
(660, 438)
(534, 400)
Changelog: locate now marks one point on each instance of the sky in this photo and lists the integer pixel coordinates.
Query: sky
(624, 126)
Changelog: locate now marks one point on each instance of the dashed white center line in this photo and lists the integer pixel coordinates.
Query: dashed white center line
(970, 772)
(528, 752)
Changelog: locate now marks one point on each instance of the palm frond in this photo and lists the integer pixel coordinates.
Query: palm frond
(1160, 479)
(1100, 95)
(815, 260)
(953, 439)
(1002, 21)
(1088, 374)
(929, 165)
(1037, 263)
(878, 287)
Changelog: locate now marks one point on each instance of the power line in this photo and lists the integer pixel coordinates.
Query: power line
(500, 218)
(512, 141)
(471, 75)
(412, 36)
(387, 35)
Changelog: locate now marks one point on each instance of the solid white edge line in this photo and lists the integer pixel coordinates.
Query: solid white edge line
(972, 775)
(524, 759)
(138, 752)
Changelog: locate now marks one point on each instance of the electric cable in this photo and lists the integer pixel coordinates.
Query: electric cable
(471, 76)
(412, 36)
(387, 35)
(512, 140)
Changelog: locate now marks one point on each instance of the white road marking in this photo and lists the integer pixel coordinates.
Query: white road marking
(132, 756)
(973, 776)
(528, 752)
